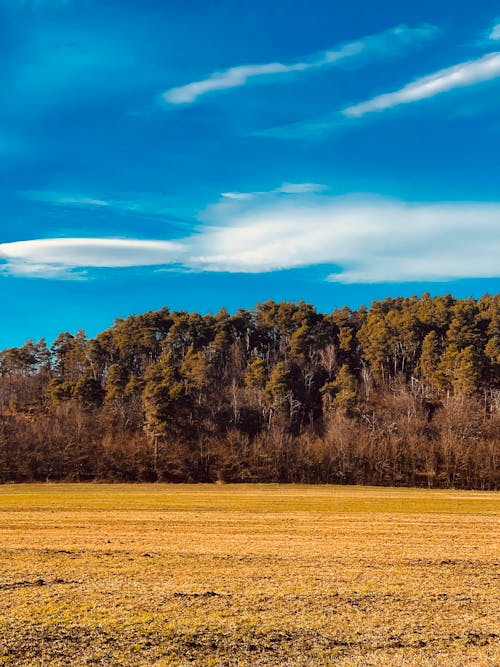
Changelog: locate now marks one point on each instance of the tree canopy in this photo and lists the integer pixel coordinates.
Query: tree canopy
(404, 392)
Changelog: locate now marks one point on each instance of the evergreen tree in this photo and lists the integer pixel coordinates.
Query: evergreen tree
(429, 357)
(256, 374)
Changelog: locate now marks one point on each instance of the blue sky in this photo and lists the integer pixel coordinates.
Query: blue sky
(200, 155)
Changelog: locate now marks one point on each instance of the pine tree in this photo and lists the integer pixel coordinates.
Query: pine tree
(255, 377)
(300, 342)
(429, 357)
(466, 378)
(278, 387)
(341, 393)
(445, 372)
(116, 381)
(88, 392)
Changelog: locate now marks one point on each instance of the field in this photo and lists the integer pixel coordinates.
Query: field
(247, 575)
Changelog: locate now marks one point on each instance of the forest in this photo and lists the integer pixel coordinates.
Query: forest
(404, 393)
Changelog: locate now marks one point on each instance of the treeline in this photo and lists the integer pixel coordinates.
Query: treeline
(406, 392)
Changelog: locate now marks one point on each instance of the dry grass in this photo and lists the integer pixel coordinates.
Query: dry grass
(247, 575)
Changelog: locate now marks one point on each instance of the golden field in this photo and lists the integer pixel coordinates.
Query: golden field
(97, 574)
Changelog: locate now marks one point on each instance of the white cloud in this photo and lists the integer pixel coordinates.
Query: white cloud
(82, 201)
(51, 258)
(300, 188)
(284, 189)
(458, 76)
(230, 78)
(237, 195)
(495, 31)
(370, 240)
(372, 46)
(66, 199)
(24, 269)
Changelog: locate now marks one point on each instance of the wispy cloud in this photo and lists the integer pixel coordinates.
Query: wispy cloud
(494, 31)
(81, 201)
(379, 45)
(311, 128)
(458, 76)
(284, 189)
(463, 75)
(21, 268)
(370, 240)
(142, 204)
(299, 188)
(233, 77)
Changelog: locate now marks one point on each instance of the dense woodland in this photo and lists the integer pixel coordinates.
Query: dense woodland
(406, 392)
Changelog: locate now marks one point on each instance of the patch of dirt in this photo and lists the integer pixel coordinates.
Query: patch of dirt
(205, 594)
(36, 583)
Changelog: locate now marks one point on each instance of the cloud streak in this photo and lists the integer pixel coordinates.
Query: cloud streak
(379, 45)
(495, 31)
(152, 204)
(357, 240)
(462, 75)
(59, 257)
(284, 189)
(459, 76)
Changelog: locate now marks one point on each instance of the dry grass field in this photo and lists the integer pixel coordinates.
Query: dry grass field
(247, 575)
